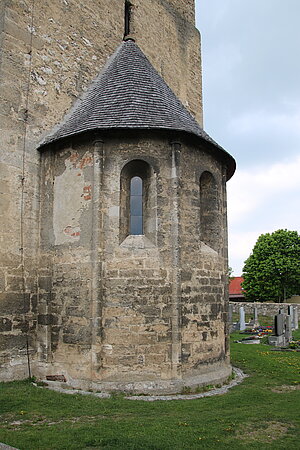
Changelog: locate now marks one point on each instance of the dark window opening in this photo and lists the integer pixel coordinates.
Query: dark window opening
(136, 206)
(138, 200)
(127, 18)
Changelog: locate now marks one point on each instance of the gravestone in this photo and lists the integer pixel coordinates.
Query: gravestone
(230, 312)
(296, 324)
(283, 330)
(291, 315)
(254, 321)
(255, 314)
(279, 324)
(242, 324)
(288, 329)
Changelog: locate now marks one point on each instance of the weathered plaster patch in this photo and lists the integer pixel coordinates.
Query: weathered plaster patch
(114, 211)
(206, 249)
(72, 194)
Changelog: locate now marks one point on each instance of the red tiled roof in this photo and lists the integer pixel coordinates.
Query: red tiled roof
(235, 286)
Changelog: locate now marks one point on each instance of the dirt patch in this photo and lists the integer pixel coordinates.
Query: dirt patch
(38, 421)
(264, 431)
(285, 388)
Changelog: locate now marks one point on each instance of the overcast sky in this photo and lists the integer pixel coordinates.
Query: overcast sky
(251, 94)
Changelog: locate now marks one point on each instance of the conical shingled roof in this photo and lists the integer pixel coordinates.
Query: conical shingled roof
(129, 94)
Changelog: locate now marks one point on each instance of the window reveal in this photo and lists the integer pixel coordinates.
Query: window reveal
(136, 206)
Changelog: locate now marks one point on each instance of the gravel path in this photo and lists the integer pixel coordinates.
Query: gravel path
(6, 447)
(239, 377)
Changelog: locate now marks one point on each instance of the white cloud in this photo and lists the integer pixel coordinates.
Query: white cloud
(265, 122)
(251, 106)
(220, 53)
(261, 201)
(249, 189)
(240, 247)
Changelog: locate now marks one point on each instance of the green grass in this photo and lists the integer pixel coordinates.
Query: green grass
(249, 416)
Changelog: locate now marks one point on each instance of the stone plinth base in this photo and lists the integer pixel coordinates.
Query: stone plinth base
(217, 376)
(278, 341)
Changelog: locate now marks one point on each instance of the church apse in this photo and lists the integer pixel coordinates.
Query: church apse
(137, 295)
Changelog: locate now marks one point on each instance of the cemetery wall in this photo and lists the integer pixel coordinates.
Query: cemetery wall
(294, 299)
(263, 309)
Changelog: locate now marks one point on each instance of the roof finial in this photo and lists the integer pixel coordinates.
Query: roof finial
(128, 38)
(127, 18)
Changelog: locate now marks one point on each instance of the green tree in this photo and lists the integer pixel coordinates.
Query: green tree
(230, 274)
(272, 271)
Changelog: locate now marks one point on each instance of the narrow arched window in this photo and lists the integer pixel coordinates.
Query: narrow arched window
(138, 201)
(209, 211)
(136, 205)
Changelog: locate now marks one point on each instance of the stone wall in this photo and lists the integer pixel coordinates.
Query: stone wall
(51, 50)
(186, 8)
(172, 44)
(264, 309)
(203, 264)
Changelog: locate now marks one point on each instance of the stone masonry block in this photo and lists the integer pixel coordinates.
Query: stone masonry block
(14, 303)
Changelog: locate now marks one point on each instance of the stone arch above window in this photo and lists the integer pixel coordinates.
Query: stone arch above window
(138, 200)
(210, 220)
